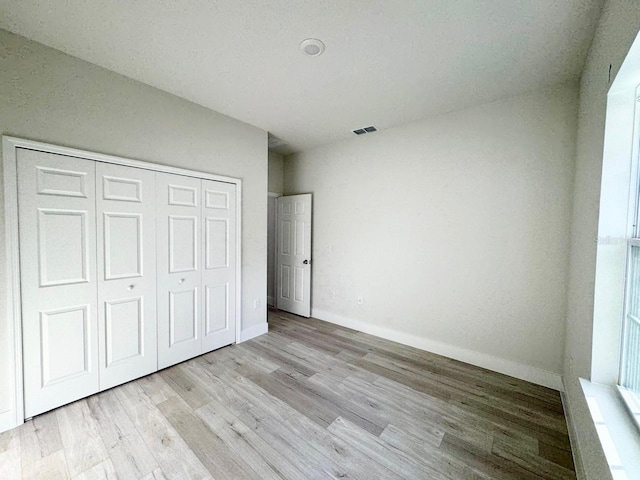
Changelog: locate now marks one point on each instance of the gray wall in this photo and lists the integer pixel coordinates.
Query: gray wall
(455, 230)
(52, 97)
(276, 173)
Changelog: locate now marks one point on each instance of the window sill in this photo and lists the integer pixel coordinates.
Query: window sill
(618, 433)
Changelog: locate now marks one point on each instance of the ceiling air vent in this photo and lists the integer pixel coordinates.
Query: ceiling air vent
(363, 130)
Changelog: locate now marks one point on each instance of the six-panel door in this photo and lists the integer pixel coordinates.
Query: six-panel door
(56, 196)
(179, 274)
(294, 254)
(219, 264)
(126, 273)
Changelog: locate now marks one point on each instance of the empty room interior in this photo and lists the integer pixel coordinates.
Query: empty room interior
(354, 239)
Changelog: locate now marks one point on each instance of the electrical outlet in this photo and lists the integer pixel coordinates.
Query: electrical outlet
(360, 300)
(256, 303)
(333, 294)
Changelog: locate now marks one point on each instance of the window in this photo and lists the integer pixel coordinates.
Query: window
(629, 379)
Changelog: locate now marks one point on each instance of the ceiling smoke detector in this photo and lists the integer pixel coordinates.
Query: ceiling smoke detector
(312, 47)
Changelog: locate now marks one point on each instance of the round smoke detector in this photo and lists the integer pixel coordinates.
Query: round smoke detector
(312, 47)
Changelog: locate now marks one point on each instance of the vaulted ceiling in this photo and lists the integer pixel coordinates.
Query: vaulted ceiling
(387, 62)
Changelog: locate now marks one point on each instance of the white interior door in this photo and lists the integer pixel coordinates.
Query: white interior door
(294, 254)
(126, 273)
(56, 196)
(219, 264)
(179, 267)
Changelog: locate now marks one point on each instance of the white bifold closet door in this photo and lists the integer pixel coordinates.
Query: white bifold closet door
(196, 227)
(179, 212)
(219, 269)
(126, 273)
(57, 211)
(123, 271)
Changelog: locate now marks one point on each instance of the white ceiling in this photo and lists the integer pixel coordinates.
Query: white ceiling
(387, 62)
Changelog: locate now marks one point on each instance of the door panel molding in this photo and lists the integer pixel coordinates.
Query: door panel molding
(108, 251)
(81, 249)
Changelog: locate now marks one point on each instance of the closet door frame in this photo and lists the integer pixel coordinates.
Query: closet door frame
(13, 415)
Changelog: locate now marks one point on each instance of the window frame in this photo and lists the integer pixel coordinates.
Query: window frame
(631, 399)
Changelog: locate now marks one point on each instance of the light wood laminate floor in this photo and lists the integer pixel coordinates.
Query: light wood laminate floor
(307, 400)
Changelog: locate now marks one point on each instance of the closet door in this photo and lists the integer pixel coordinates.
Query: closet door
(219, 264)
(179, 246)
(56, 196)
(126, 273)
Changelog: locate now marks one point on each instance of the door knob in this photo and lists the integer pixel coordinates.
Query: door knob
(181, 280)
(130, 287)
(307, 262)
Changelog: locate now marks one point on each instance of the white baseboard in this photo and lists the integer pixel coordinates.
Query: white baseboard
(253, 332)
(500, 365)
(271, 301)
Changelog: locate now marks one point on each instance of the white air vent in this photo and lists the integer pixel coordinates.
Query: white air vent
(363, 130)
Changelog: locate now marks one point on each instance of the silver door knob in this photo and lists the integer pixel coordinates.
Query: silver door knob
(307, 262)
(181, 280)
(130, 287)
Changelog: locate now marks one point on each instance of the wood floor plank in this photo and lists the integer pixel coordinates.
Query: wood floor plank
(483, 461)
(82, 442)
(458, 413)
(326, 448)
(334, 403)
(556, 455)
(11, 463)
(406, 406)
(265, 461)
(381, 452)
(156, 389)
(296, 450)
(50, 466)
(102, 471)
(427, 455)
(272, 352)
(155, 475)
(130, 457)
(190, 390)
(362, 405)
(10, 439)
(532, 462)
(242, 354)
(40, 437)
(278, 422)
(319, 412)
(170, 450)
(216, 387)
(207, 446)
